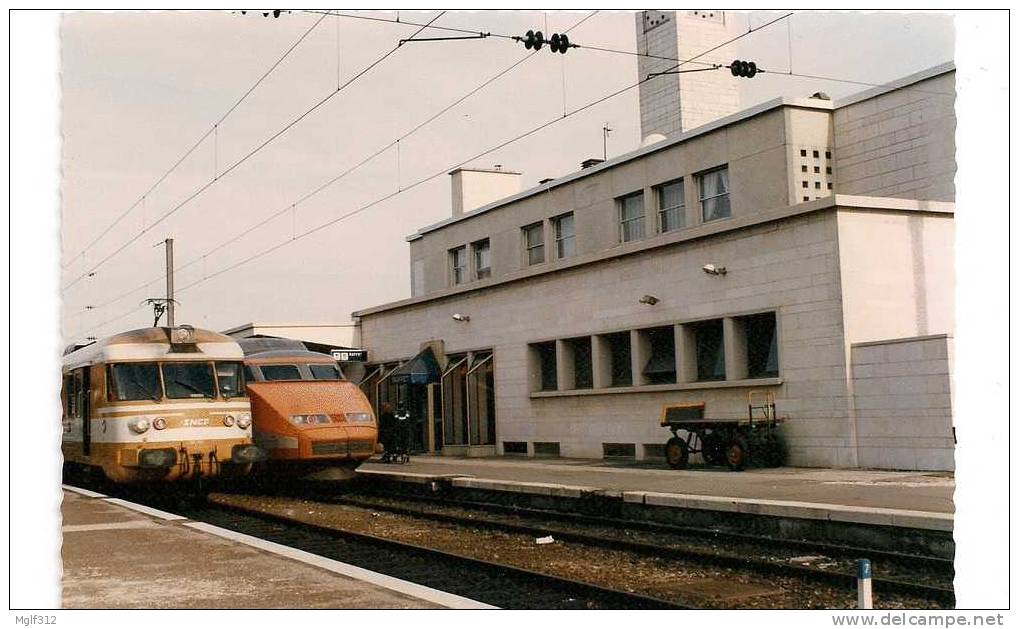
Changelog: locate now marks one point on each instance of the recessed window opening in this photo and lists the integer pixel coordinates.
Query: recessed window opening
(546, 448)
(631, 217)
(482, 259)
(661, 366)
(534, 243)
(708, 340)
(546, 362)
(583, 377)
(565, 236)
(514, 447)
(714, 194)
(458, 265)
(619, 450)
(672, 206)
(619, 355)
(762, 345)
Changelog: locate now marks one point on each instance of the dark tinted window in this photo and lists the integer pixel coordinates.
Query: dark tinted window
(762, 345)
(249, 374)
(280, 372)
(134, 381)
(325, 372)
(231, 384)
(710, 350)
(188, 380)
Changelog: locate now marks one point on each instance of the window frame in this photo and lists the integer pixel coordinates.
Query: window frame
(559, 239)
(457, 274)
(700, 192)
(476, 248)
(621, 205)
(266, 378)
(526, 230)
(679, 209)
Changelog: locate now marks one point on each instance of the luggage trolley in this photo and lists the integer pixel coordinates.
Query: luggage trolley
(730, 442)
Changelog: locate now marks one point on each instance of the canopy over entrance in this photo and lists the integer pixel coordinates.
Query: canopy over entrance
(422, 369)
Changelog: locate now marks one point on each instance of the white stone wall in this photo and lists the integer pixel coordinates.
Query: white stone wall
(900, 143)
(679, 102)
(902, 394)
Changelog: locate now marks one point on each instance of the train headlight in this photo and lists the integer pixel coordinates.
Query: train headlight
(359, 417)
(309, 420)
(159, 423)
(139, 425)
(228, 420)
(244, 420)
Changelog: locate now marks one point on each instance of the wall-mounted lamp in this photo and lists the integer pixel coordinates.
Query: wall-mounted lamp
(711, 269)
(649, 300)
(461, 317)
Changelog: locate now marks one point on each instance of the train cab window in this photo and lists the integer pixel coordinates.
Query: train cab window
(231, 384)
(188, 380)
(325, 372)
(280, 372)
(134, 381)
(249, 374)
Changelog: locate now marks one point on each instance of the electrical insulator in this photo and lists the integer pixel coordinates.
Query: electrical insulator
(747, 69)
(559, 43)
(534, 40)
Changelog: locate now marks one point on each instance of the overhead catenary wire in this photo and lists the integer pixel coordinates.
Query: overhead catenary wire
(201, 189)
(197, 143)
(348, 171)
(437, 173)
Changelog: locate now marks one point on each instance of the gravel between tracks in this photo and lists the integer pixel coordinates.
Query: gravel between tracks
(683, 582)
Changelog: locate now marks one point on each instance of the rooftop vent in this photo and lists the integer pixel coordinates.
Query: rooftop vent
(593, 161)
(546, 180)
(820, 96)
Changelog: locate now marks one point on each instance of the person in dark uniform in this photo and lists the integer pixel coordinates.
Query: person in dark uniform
(387, 432)
(402, 430)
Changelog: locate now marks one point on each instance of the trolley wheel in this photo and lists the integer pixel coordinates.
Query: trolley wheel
(736, 453)
(677, 453)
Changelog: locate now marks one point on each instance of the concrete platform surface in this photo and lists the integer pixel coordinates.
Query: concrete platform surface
(924, 492)
(116, 556)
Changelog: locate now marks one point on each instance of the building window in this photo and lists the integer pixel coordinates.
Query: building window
(565, 236)
(714, 194)
(544, 362)
(580, 350)
(458, 265)
(671, 206)
(661, 364)
(482, 259)
(762, 345)
(710, 350)
(514, 447)
(619, 450)
(631, 217)
(546, 448)
(534, 243)
(620, 370)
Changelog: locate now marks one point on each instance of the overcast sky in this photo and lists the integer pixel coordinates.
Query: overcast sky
(140, 88)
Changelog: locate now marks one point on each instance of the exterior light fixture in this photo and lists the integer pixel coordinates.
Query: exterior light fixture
(649, 300)
(711, 269)
(461, 317)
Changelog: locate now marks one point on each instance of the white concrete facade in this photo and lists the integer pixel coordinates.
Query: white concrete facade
(842, 274)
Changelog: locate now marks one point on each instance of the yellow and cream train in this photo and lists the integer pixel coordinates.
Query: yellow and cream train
(158, 404)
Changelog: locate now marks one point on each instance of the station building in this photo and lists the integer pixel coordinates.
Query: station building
(801, 247)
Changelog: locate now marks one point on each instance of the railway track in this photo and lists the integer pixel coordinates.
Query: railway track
(928, 578)
(496, 584)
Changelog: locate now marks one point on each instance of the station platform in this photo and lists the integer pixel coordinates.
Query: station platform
(120, 555)
(917, 500)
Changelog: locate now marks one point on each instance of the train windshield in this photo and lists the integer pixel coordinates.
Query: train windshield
(231, 382)
(188, 380)
(134, 381)
(325, 372)
(280, 372)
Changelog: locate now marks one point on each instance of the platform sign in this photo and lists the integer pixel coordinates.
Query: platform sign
(351, 355)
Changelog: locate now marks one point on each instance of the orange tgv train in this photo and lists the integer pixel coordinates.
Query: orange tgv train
(307, 416)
